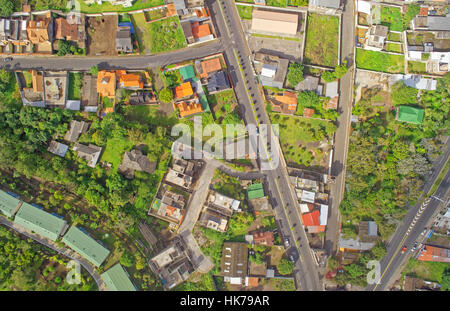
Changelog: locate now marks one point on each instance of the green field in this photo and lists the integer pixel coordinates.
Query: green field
(322, 40)
(167, 35)
(393, 47)
(108, 7)
(392, 17)
(75, 83)
(417, 67)
(245, 12)
(298, 3)
(426, 270)
(379, 61)
(115, 147)
(393, 36)
(277, 3)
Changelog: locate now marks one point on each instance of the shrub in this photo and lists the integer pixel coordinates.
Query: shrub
(166, 95)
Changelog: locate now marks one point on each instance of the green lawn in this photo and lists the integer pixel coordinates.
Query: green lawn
(115, 147)
(75, 83)
(277, 3)
(298, 3)
(379, 61)
(322, 40)
(108, 7)
(392, 17)
(167, 35)
(417, 67)
(393, 36)
(245, 12)
(143, 33)
(246, 1)
(426, 270)
(393, 47)
(28, 78)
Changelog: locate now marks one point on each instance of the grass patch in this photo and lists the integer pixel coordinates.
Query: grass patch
(426, 270)
(115, 147)
(245, 12)
(75, 82)
(392, 17)
(283, 284)
(417, 67)
(322, 40)
(393, 36)
(277, 3)
(143, 33)
(298, 3)
(167, 35)
(379, 61)
(108, 7)
(393, 47)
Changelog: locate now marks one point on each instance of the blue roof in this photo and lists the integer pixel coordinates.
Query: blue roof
(121, 24)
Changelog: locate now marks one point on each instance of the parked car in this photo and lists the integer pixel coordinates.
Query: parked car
(291, 258)
(414, 247)
(424, 231)
(286, 242)
(403, 249)
(7, 59)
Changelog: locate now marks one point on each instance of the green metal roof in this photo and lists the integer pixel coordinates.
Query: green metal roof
(187, 72)
(39, 221)
(8, 203)
(116, 279)
(255, 191)
(410, 114)
(85, 246)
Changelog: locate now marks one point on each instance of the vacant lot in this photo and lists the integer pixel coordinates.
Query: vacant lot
(303, 141)
(108, 7)
(160, 36)
(426, 270)
(322, 41)
(392, 17)
(101, 37)
(393, 47)
(393, 36)
(379, 61)
(75, 84)
(278, 3)
(417, 67)
(245, 12)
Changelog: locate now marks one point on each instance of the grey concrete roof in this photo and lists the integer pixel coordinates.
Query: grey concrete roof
(334, 4)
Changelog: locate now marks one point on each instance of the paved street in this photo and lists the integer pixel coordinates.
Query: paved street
(60, 250)
(343, 123)
(305, 269)
(394, 259)
(120, 62)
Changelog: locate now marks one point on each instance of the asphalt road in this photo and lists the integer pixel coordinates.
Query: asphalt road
(119, 62)
(343, 123)
(412, 226)
(284, 203)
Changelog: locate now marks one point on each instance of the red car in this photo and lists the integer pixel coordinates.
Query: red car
(403, 249)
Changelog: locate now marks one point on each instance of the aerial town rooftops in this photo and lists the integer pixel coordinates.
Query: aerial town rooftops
(286, 103)
(38, 30)
(234, 260)
(184, 90)
(218, 81)
(116, 279)
(106, 83)
(8, 204)
(213, 220)
(210, 65)
(65, 30)
(40, 221)
(434, 253)
(200, 31)
(135, 160)
(263, 238)
(129, 80)
(188, 108)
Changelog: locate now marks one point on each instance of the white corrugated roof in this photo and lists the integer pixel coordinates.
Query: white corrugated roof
(364, 7)
(323, 214)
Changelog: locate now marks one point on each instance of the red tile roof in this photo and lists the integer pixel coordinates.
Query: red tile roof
(308, 112)
(200, 31)
(264, 238)
(311, 219)
(423, 12)
(433, 253)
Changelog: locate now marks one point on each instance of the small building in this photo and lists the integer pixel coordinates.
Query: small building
(263, 238)
(76, 129)
(57, 148)
(286, 103)
(90, 153)
(214, 220)
(309, 83)
(142, 98)
(178, 178)
(187, 30)
(377, 37)
(8, 204)
(274, 21)
(201, 32)
(184, 90)
(55, 88)
(187, 72)
(188, 108)
(223, 202)
(74, 105)
(40, 30)
(172, 264)
(434, 253)
(255, 191)
(86, 246)
(39, 221)
(106, 84)
(308, 112)
(218, 82)
(123, 40)
(366, 239)
(271, 69)
(117, 279)
(71, 28)
(331, 91)
(171, 207)
(135, 160)
(420, 83)
(331, 4)
(210, 66)
(129, 81)
(410, 114)
(234, 262)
